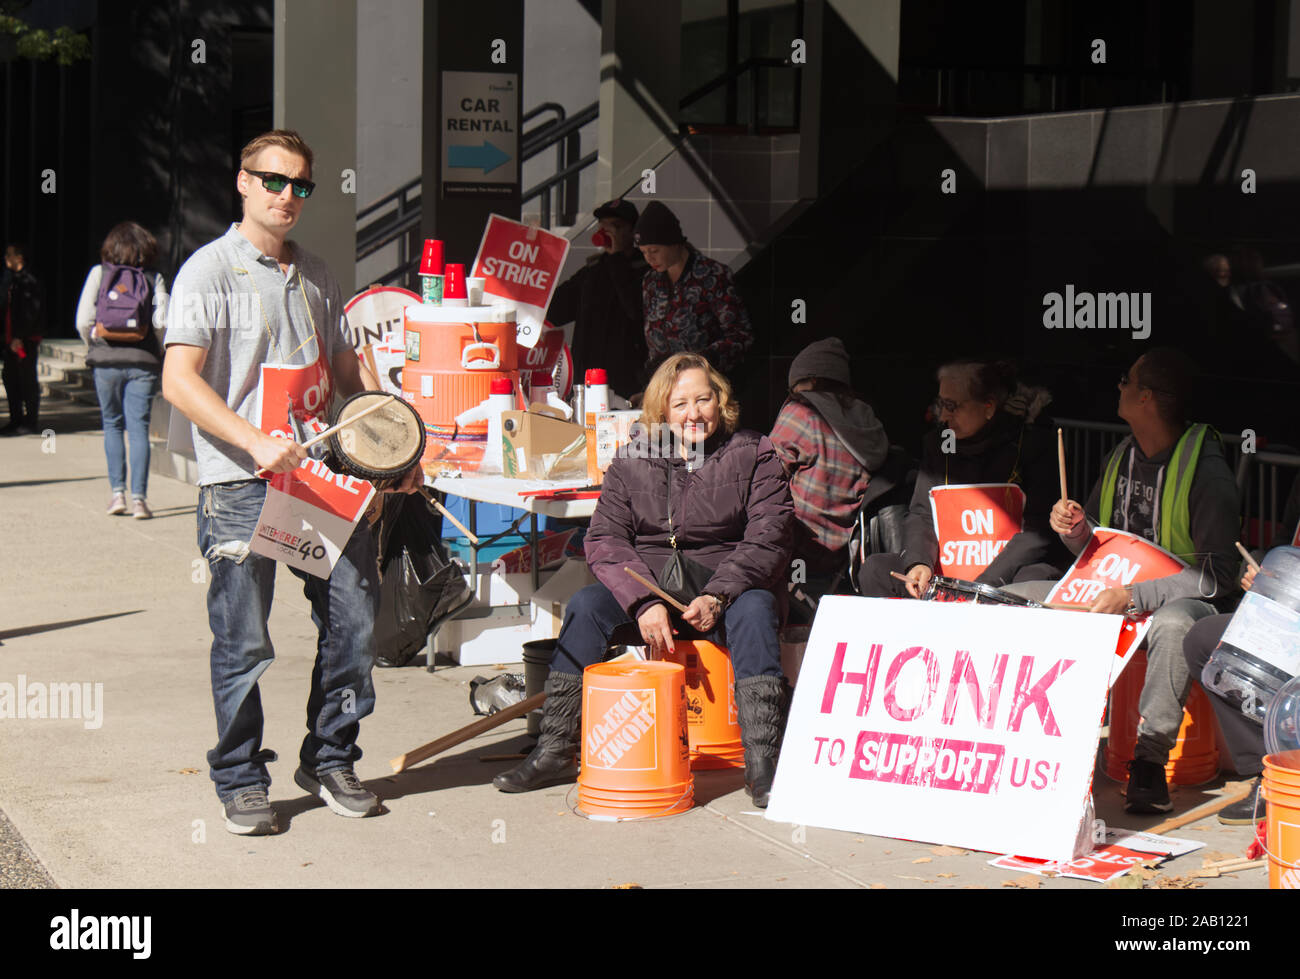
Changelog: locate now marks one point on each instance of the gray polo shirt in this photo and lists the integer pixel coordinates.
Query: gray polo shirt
(237, 304)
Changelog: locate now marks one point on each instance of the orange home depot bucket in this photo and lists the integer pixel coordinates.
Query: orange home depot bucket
(1280, 788)
(711, 725)
(1194, 759)
(453, 354)
(635, 757)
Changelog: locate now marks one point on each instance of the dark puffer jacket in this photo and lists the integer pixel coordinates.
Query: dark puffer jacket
(732, 514)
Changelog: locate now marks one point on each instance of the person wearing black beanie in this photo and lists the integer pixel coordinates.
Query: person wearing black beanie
(690, 302)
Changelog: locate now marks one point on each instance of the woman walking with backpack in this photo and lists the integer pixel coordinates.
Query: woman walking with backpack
(122, 303)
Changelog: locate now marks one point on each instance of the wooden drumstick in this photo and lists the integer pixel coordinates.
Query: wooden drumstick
(1254, 565)
(461, 735)
(657, 590)
(334, 428)
(1060, 455)
(450, 516)
(900, 577)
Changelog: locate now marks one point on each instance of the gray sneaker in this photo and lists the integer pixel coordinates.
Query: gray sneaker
(117, 504)
(140, 509)
(249, 813)
(341, 790)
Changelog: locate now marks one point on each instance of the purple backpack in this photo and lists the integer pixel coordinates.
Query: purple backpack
(124, 309)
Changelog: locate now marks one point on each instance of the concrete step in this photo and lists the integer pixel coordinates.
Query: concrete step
(69, 391)
(62, 349)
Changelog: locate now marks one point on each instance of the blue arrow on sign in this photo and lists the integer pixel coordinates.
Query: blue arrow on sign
(486, 157)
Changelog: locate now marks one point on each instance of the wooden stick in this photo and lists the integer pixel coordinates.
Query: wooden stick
(416, 755)
(1060, 455)
(1233, 865)
(448, 514)
(1061, 606)
(334, 428)
(1200, 812)
(346, 422)
(1254, 565)
(900, 577)
(657, 590)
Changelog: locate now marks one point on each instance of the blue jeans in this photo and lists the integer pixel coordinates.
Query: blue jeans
(239, 600)
(750, 636)
(126, 397)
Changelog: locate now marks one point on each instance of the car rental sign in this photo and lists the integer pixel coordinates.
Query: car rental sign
(971, 725)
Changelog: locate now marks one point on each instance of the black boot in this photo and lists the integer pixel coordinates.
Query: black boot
(761, 710)
(553, 760)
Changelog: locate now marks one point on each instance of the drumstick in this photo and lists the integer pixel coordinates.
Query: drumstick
(334, 428)
(1060, 455)
(345, 423)
(657, 590)
(1254, 565)
(448, 514)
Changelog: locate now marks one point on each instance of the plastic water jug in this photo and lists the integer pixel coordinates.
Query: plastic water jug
(1260, 649)
(1282, 722)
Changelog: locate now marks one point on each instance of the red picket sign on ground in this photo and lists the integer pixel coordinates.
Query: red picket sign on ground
(520, 264)
(974, 522)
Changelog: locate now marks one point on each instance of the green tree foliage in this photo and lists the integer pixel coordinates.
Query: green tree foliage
(63, 44)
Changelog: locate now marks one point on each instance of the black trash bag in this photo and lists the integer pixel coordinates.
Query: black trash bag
(420, 587)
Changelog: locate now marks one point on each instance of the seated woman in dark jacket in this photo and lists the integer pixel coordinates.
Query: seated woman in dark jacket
(996, 438)
(731, 514)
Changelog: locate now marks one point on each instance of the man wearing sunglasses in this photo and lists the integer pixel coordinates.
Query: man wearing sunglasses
(253, 298)
(1169, 483)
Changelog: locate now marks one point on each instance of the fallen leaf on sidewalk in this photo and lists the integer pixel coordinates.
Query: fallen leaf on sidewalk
(1128, 882)
(880, 887)
(1214, 855)
(947, 875)
(922, 860)
(627, 887)
(189, 771)
(948, 851)
(1028, 881)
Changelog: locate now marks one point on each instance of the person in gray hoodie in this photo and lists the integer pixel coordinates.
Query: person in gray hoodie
(1169, 483)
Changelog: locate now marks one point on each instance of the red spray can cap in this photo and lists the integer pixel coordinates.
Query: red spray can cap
(454, 287)
(596, 375)
(501, 385)
(431, 259)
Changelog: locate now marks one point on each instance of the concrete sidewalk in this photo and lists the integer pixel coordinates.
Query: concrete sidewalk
(108, 600)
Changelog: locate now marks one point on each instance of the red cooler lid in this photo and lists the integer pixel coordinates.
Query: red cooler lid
(501, 385)
(597, 375)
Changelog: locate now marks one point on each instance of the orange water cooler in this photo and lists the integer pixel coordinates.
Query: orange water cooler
(453, 354)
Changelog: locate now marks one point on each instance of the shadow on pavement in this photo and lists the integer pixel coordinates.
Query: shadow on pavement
(47, 482)
(32, 630)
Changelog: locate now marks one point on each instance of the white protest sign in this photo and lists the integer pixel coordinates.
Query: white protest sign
(971, 725)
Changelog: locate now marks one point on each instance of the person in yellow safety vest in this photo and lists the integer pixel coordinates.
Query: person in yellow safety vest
(1167, 482)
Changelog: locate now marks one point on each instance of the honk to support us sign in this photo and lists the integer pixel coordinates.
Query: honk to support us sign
(972, 725)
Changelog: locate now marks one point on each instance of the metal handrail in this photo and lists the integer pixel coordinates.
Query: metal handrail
(747, 65)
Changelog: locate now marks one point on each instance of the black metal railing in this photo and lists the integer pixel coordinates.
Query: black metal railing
(730, 79)
(564, 134)
(399, 222)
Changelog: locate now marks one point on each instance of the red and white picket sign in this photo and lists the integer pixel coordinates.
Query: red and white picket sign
(520, 264)
(309, 513)
(973, 725)
(974, 521)
(548, 364)
(1115, 559)
(375, 317)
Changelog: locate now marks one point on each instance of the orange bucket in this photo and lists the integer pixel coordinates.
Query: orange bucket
(635, 757)
(1194, 759)
(450, 367)
(1280, 788)
(711, 725)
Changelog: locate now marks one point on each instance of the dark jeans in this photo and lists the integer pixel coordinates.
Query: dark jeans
(239, 600)
(125, 400)
(593, 614)
(1245, 738)
(22, 386)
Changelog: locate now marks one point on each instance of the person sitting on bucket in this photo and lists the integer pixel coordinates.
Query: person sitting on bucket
(1167, 482)
(693, 485)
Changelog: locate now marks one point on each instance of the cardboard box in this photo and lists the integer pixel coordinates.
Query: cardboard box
(536, 444)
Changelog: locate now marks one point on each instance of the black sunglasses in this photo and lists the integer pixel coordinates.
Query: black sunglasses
(276, 182)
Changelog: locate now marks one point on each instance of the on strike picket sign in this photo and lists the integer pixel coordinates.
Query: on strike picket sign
(309, 513)
(1115, 559)
(974, 522)
(374, 317)
(971, 725)
(519, 264)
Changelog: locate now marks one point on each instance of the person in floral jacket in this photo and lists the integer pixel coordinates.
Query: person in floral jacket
(689, 301)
